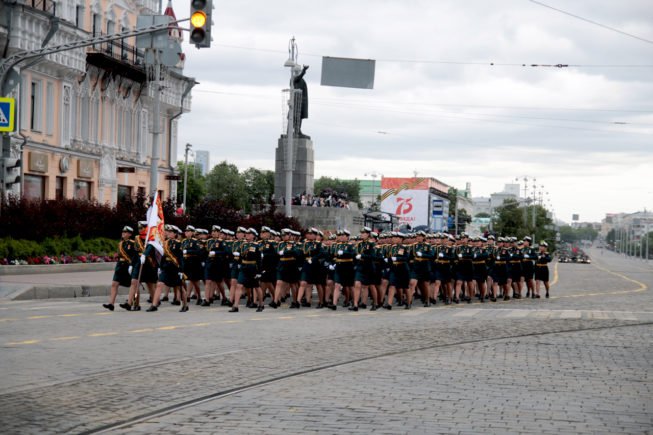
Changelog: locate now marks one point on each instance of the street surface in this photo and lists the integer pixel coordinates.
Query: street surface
(579, 362)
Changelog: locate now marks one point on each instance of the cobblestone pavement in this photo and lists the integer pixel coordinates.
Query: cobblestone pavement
(578, 362)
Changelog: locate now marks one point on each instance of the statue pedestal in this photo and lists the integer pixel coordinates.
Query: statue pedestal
(303, 167)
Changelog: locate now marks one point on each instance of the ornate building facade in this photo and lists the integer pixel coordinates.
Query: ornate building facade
(85, 115)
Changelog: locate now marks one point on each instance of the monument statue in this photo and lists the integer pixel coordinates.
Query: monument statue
(301, 103)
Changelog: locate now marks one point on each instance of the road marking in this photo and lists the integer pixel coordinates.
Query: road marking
(555, 275)
(286, 317)
(102, 334)
(72, 337)
(201, 324)
(571, 315)
(168, 328)
(68, 315)
(38, 317)
(314, 315)
(8, 319)
(15, 343)
(102, 314)
(138, 331)
(231, 321)
(467, 312)
(517, 314)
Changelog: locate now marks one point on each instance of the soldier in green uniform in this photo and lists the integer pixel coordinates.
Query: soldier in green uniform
(122, 271)
(192, 267)
(479, 261)
(516, 272)
(364, 272)
(170, 269)
(248, 272)
(144, 258)
(528, 267)
(343, 258)
(382, 267)
(465, 270)
(398, 256)
(311, 268)
(287, 266)
(420, 272)
(234, 264)
(269, 261)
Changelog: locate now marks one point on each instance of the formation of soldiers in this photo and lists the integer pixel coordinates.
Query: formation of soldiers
(382, 270)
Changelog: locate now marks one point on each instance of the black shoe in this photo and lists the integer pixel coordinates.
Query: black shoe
(374, 308)
(260, 308)
(456, 300)
(482, 300)
(136, 308)
(353, 308)
(223, 303)
(319, 306)
(306, 304)
(407, 307)
(149, 300)
(506, 298)
(532, 296)
(469, 300)
(528, 293)
(387, 306)
(363, 306)
(233, 310)
(333, 307)
(547, 295)
(537, 296)
(283, 299)
(426, 305)
(516, 296)
(493, 299)
(206, 303)
(165, 299)
(229, 303)
(294, 305)
(199, 301)
(345, 304)
(273, 305)
(108, 306)
(193, 297)
(184, 309)
(175, 302)
(152, 308)
(125, 306)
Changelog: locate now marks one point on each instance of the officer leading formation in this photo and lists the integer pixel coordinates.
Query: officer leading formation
(377, 270)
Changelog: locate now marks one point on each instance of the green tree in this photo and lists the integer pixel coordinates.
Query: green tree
(196, 190)
(259, 184)
(571, 235)
(226, 184)
(453, 200)
(513, 220)
(482, 215)
(350, 187)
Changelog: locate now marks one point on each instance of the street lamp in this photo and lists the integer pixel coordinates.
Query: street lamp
(290, 133)
(188, 147)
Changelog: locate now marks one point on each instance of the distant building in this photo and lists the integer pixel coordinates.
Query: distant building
(202, 159)
(488, 205)
(370, 191)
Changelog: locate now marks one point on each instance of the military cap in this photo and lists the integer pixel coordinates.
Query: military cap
(252, 231)
(332, 237)
(374, 234)
(178, 230)
(420, 233)
(216, 228)
(482, 239)
(313, 230)
(527, 239)
(265, 229)
(520, 242)
(201, 231)
(366, 230)
(490, 237)
(142, 224)
(320, 233)
(346, 232)
(168, 227)
(241, 230)
(190, 228)
(543, 243)
(286, 231)
(127, 229)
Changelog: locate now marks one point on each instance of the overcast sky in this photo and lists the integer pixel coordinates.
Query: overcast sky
(438, 107)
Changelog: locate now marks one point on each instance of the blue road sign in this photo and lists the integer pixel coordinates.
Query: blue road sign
(7, 114)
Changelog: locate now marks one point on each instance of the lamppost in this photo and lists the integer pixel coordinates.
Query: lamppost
(290, 133)
(188, 147)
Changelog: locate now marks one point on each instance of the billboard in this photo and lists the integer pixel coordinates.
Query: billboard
(407, 198)
(348, 73)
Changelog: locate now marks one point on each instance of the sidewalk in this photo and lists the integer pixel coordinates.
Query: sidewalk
(56, 285)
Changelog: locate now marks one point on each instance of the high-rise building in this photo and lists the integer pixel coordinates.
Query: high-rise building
(202, 160)
(86, 114)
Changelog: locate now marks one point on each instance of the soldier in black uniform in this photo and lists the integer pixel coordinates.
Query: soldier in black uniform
(287, 269)
(269, 262)
(310, 274)
(122, 272)
(343, 257)
(420, 269)
(480, 259)
(248, 273)
(170, 271)
(397, 256)
(542, 269)
(465, 270)
(365, 271)
(516, 257)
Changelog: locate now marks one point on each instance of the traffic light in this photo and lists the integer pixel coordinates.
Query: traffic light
(10, 171)
(200, 22)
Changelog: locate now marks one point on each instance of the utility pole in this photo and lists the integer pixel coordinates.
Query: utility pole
(292, 64)
(156, 127)
(188, 146)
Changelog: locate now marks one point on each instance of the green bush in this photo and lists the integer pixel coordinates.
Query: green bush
(10, 248)
(21, 249)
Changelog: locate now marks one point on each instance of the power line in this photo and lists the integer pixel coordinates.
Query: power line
(591, 22)
(454, 62)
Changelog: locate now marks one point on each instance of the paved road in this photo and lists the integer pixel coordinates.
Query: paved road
(578, 362)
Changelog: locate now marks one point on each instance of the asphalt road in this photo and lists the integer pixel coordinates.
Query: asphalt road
(578, 362)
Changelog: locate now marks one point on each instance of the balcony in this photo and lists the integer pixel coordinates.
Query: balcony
(118, 58)
(47, 6)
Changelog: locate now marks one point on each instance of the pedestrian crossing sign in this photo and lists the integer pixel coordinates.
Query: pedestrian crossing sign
(7, 106)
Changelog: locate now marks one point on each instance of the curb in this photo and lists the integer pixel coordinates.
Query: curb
(64, 292)
(55, 268)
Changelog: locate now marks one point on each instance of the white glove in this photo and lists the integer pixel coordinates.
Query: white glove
(158, 271)
(419, 254)
(181, 275)
(340, 252)
(281, 252)
(236, 254)
(129, 270)
(332, 267)
(394, 258)
(460, 255)
(385, 259)
(358, 257)
(203, 264)
(474, 255)
(142, 259)
(441, 255)
(185, 251)
(211, 254)
(526, 256)
(539, 256)
(257, 276)
(309, 261)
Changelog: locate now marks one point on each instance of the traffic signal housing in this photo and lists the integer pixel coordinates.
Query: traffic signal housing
(200, 22)
(10, 171)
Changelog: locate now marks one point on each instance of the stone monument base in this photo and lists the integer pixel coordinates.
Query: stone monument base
(303, 167)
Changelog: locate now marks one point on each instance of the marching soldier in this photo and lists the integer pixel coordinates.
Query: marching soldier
(365, 270)
(287, 267)
(516, 257)
(465, 270)
(144, 258)
(214, 267)
(170, 275)
(344, 254)
(122, 272)
(398, 256)
(528, 266)
(420, 272)
(192, 267)
(248, 272)
(236, 246)
(310, 274)
(269, 262)
(542, 269)
(480, 259)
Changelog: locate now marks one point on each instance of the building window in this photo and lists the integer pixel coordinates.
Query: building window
(35, 107)
(124, 193)
(60, 190)
(66, 115)
(85, 118)
(34, 187)
(49, 108)
(141, 192)
(97, 25)
(79, 16)
(82, 190)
